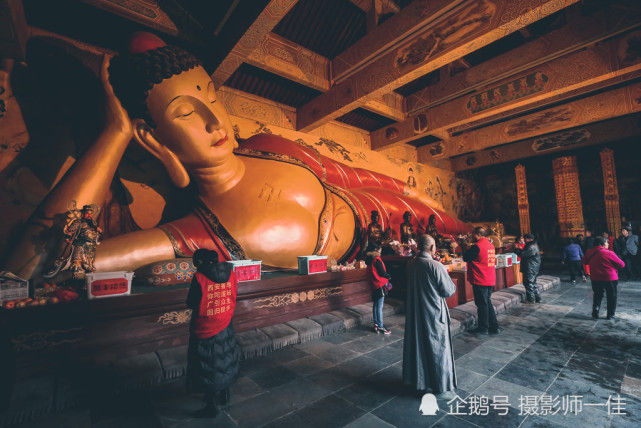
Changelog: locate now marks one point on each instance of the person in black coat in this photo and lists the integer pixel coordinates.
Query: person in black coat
(213, 354)
(530, 265)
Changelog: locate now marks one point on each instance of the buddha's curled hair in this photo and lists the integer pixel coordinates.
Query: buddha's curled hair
(133, 76)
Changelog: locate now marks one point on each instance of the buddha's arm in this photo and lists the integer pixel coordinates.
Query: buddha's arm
(132, 250)
(86, 182)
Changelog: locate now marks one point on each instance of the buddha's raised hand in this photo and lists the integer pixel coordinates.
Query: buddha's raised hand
(116, 117)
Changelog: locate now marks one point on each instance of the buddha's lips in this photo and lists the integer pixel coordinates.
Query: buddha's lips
(221, 141)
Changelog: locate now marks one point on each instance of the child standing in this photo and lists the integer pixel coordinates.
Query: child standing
(379, 279)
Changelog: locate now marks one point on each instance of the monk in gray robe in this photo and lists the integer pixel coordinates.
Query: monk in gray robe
(428, 359)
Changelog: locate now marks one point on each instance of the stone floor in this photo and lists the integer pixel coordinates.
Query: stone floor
(552, 365)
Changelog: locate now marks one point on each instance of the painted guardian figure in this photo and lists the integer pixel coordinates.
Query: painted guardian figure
(267, 199)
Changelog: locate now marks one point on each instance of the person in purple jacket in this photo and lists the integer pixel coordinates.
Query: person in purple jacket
(603, 273)
(572, 254)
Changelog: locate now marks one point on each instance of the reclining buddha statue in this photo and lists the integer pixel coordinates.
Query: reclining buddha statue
(268, 199)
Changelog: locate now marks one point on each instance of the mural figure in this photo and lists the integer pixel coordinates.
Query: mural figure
(269, 200)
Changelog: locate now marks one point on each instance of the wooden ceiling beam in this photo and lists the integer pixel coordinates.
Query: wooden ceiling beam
(415, 17)
(608, 105)
(257, 33)
(596, 133)
(576, 74)
(294, 62)
(474, 25)
(391, 105)
(384, 6)
(578, 35)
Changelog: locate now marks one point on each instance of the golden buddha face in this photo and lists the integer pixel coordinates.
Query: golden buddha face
(190, 121)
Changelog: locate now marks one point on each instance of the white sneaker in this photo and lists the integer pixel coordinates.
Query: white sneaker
(385, 331)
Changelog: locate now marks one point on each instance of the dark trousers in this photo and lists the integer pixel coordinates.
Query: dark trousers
(483, 302)
(631, 266)
(531, 288)
(575, 267)
(610, 288)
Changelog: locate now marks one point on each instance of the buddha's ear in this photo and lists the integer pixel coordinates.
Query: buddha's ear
(144, 136)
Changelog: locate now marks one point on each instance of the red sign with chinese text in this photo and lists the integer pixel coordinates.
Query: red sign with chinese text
(109, 287)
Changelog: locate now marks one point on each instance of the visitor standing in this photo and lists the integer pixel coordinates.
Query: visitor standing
(631, 247)
(530, 265)
(428, 358)
(572, 255)
(603, 265)
(481, 272)
(213, 354)
(379, 280)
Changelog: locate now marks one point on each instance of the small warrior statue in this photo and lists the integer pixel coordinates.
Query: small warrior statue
(82, 234)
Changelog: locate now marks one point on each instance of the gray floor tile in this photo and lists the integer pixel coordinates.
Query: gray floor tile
(369, 421)
(403, 412)
(258, 410)
(274, 377)
(342, 413)
(308, 365)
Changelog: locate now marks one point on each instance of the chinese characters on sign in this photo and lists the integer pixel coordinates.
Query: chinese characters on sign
(218, 298)
(539, 405)
(108, 287)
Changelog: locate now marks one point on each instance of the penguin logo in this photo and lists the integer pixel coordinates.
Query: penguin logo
(429, 406)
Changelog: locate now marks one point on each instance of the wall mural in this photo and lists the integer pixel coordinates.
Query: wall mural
(563, 139)
(507, 92)
(468, 205)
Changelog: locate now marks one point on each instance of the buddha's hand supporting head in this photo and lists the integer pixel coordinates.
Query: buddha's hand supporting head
(116, 117)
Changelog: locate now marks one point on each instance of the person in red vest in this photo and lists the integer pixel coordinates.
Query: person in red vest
(603, 265)
(481, 272)
(213, 354)
(379, 280)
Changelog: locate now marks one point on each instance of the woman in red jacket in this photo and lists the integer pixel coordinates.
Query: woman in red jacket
(603, 273)
(213, 355)
(379, 279)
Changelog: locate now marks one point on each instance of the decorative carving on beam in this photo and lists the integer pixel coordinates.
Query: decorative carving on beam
(581, 72)
(523, 203)
(610, 192)
(608, 105)
(596, 133)
(255, 35)
(562, 140)
(416, 16)
(243, 104)
(294, 62)
(507, 92)
(568, 196)
(146, 12)
(477, 24)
